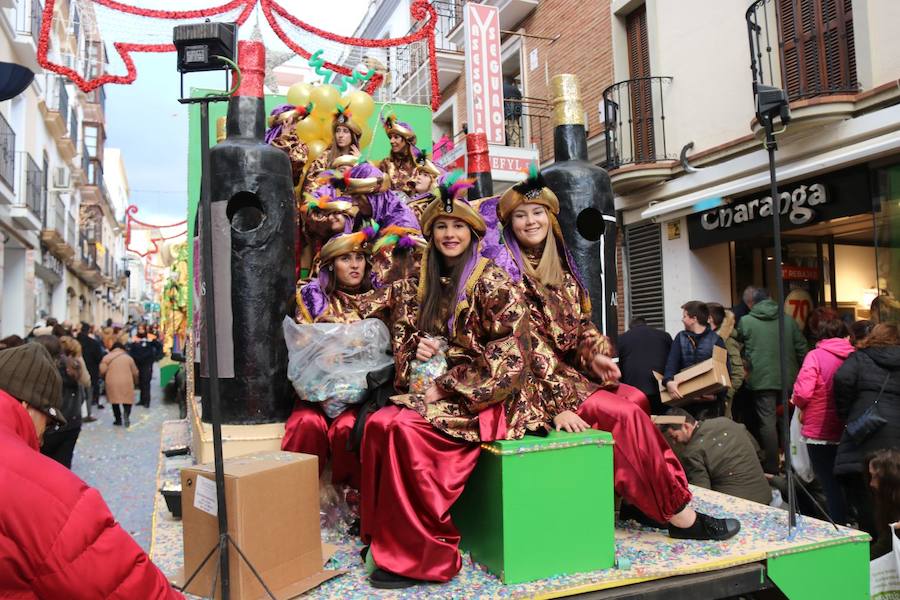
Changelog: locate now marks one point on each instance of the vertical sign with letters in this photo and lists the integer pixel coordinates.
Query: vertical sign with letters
(484, 72)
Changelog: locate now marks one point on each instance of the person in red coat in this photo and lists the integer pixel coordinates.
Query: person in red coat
(57, 536)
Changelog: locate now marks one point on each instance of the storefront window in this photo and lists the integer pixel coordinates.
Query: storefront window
(886, 220)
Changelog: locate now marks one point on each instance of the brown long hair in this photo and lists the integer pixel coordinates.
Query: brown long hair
(335, 151)
(549, 270)
(433, 310)
(883, 334)
(886, 465)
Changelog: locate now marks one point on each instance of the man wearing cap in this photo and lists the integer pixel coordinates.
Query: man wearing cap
(57, 536)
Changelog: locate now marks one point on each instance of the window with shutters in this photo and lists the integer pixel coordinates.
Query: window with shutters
(643, 251)
(818, 55)
(640, 90)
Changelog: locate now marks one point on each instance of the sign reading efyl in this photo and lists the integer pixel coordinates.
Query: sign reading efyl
(484, 73)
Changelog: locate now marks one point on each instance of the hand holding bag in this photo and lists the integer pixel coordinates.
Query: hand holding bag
(870, 421)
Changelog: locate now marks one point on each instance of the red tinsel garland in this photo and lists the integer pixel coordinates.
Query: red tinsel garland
(419, 10)
(129, 219)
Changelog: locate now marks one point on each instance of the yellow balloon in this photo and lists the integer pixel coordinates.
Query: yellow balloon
(366, 138)
(326, 134)
(298, 94)
(315, 148)
(360, 104)
(309, 130)
(324, 99)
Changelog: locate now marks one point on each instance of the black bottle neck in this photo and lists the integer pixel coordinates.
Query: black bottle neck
(569, 143)
(246, 118)
(484, 186)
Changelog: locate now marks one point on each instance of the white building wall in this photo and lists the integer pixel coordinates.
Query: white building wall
(703, 274)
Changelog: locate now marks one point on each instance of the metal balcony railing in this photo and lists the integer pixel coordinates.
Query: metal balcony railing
(7, 153)
(88, 252)
(805, 47)
(30, 185)
(71, 230)
(73, 128)
(635, 122)
(57, 98)
(28, 18)
(408, 60)
(55, 215)
(527, 122)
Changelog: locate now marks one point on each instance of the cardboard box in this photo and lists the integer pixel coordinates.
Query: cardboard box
(272, 500)
(540, 506)
(706, 377)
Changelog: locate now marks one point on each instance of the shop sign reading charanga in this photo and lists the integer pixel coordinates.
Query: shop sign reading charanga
(797, 206)
(800, 204)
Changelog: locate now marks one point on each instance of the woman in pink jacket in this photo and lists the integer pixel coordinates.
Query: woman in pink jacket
(814, 396)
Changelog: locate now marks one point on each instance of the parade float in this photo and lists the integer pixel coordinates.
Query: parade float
(273, 499)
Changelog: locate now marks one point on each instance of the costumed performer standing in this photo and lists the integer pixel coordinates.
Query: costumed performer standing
(423, 185)
(418, 455)
(573, 374)
(345, 134)
(400, 164)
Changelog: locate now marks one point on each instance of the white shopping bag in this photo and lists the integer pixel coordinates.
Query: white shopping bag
(884, 572)
(799, 453)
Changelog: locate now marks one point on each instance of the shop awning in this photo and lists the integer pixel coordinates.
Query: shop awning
(837, 158)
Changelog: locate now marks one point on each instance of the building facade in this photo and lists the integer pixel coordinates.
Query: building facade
(690, 173)
(538, 39)
(50, 140)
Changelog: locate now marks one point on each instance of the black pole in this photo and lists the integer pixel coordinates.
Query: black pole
(771, 146)
(211, 357)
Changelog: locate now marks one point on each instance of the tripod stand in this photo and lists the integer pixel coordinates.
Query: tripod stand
(793, 480)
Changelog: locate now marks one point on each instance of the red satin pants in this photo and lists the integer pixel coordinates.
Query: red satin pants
(647, 474)
(308, 430)
(413, 474)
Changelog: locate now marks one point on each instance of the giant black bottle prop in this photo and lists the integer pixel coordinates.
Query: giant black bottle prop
(478, 166)
(252, 204)
(586, 211)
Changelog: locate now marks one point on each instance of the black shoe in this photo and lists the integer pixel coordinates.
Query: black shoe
(385, 580)
(363, 552)
(629, 512)
(117, 422)
(100, 406)
(127, 422)
(706, 527)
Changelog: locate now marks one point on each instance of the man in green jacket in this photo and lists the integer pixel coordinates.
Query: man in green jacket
(758, 331)
(719, 454)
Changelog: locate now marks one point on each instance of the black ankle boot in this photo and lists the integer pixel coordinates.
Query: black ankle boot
(385, 580)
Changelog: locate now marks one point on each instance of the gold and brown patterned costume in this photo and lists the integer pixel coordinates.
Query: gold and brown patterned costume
(564, 341)
(294, 148)
(487, 355)
(401, 172)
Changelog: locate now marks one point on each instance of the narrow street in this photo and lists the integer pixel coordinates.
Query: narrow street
(122, 463)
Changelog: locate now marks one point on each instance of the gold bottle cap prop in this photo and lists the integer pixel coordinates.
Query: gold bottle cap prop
(566, 97)
(220, 129)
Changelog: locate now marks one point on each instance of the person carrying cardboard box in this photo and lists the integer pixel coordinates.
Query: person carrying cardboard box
(691, 346)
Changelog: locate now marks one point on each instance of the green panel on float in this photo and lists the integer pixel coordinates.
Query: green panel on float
(540, 507)
(838, 571)
(418, 116)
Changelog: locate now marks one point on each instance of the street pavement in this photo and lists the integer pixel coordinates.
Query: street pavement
(122, 464)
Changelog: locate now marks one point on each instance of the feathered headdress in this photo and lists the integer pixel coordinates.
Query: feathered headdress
(327, 204)
(343, 117)
(354, 185)
(358, 241)
(451, 202)
(424, 165)
(532, 190)
(401, 238)
(404, 130)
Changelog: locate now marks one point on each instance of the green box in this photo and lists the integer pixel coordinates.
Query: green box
(541, 506)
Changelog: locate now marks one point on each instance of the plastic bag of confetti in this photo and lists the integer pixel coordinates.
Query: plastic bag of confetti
(423, 373)
(328, 362)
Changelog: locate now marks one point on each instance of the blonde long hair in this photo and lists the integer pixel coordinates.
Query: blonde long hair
(549, 270)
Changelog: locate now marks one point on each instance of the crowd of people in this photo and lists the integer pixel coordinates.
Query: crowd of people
(96, 364)
(842, 384)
